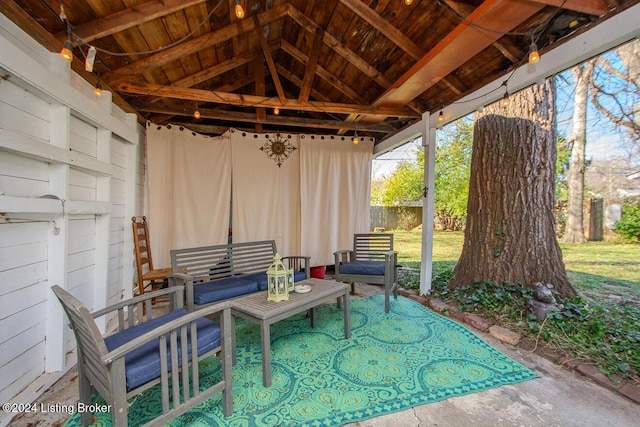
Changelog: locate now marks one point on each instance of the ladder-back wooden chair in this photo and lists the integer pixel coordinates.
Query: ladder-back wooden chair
(146, 350)
(372, 260)
(144, 261)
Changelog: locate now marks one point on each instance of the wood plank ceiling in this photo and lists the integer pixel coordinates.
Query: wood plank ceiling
(329, 66)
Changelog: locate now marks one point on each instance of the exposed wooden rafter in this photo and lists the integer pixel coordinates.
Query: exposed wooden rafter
(128, 18)
(253, 101)
(267, 119)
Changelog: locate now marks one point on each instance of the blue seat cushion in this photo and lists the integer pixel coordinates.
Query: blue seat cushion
(369, 268)
(143, 363)
(218, 290)
(261, 278)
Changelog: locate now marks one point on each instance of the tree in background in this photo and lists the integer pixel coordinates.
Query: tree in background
(510, 234)
(563, 153)
(453, 159)
(574, 231)
(453, 163)
(404, 186)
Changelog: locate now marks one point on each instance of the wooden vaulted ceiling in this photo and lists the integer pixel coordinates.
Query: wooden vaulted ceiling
(330, 66)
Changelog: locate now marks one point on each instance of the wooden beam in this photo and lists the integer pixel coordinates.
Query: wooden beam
(323, 73)
(590, 7)
(267, 54)
(268, 119)
(192, 46)
(298, 82)
(127, 18)
(379, 23)
(349, 55)
(312, 65)
(205, 129)
(253, 101)
(457, 47)
(261, 112)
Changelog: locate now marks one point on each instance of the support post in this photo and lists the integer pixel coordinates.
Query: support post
(429, 144)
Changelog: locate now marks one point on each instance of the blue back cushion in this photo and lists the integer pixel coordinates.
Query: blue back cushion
(143, 364)
(218, 290)
(371, 268)
(261, 279)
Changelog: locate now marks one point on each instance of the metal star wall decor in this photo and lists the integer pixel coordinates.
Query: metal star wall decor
(278, 149)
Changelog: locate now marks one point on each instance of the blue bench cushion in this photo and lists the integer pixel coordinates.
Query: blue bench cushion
(261, 279)
(218, 290)
(143, 364)
(371, 268)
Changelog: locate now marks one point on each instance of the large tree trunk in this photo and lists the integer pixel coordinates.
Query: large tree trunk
(574, 232)
(510, 232)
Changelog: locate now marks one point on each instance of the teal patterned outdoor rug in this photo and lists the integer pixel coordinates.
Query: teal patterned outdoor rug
(392, 362)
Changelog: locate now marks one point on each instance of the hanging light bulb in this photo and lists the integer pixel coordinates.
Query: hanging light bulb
(440, 116)
(67, 51)
(196, 113)
(505, 98)
(98, 90)
(534, 55)
(355, 139)
(276, 111)
(239, 10)
(408, 2)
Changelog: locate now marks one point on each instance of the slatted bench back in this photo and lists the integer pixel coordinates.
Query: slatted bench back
(371, 247)
(217, 262)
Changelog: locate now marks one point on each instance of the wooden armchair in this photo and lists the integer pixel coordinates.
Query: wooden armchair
(372, 260)
(146, 351)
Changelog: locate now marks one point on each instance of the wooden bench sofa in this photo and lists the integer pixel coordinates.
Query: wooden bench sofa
(222, 272)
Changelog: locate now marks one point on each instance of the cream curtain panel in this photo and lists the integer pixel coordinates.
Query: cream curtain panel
(189, 188)
(335, 188)
(309, 193)
(266, 189)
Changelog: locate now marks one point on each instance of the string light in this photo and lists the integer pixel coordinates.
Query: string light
(534, 55)
(97, 91)
(196, 113)
(67, 51)
(440, 116)
(276, 111)
(355, 139)
(239, 10)
(408, 2)
(505, 98)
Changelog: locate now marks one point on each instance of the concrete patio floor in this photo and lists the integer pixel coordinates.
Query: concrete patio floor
(560, 397)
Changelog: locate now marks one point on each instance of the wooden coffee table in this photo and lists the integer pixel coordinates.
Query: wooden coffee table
(256, 309)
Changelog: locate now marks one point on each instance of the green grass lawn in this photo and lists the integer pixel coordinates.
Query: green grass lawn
(602, 270)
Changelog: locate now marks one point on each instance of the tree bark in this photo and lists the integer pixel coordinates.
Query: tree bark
(574, 232)
(510, 232)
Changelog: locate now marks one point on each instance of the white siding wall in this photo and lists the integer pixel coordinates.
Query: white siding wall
(71, 177)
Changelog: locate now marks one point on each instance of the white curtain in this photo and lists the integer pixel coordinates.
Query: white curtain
(189, 182)
(266, 189)
(335, 187)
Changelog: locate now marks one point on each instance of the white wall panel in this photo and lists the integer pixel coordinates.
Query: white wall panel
(23, 111)
(21, 176)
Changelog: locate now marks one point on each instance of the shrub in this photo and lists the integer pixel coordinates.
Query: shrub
(629, 224)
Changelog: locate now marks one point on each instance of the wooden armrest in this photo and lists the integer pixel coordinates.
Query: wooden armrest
(176, 290)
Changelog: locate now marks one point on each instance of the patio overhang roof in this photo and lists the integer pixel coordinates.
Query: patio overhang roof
(331, 67)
